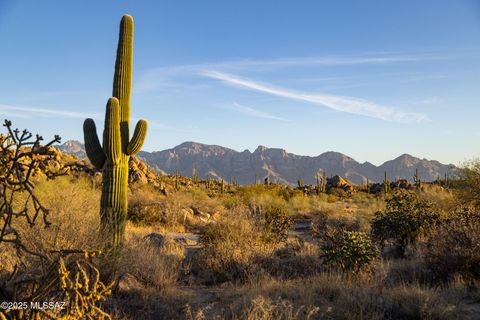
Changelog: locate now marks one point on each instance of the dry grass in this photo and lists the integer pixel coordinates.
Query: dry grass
(153, 264)
(333, 296)
(230, 245)
(73, 217)
(148, 207)
(239, 274)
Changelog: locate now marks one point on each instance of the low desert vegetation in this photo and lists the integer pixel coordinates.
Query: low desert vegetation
(244, 252)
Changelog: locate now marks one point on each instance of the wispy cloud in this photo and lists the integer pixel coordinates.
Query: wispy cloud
(338, 103)
(30, 112)
(251, 112)
(161, 78)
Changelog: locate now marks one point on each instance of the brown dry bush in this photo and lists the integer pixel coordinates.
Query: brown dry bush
(156, 265)
(467, 191)
(453, 248)
(298, 259)
(73, 206)
(230, 246)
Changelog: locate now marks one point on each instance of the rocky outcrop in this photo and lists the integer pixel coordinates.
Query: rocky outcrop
(337, 182)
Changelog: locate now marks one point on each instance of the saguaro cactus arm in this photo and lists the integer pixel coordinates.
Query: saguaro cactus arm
(93, 148)
(111, 133)
(138, 137)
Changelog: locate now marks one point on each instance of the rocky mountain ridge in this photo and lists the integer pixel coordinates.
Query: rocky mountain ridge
(277, 164)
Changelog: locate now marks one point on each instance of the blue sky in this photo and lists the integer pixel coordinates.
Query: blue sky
(371, 79)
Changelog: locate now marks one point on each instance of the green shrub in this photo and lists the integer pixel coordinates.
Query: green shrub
(350, 251)
(404, 220)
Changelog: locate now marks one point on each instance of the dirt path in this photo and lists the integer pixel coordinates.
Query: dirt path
(301, 229)
(191, 241)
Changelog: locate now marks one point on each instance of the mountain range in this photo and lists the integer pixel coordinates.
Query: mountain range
(277, 164)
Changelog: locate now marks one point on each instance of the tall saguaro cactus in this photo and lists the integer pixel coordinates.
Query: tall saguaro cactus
(117, 147)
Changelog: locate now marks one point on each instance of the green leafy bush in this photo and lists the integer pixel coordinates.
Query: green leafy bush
(350, 251)
(404, 220)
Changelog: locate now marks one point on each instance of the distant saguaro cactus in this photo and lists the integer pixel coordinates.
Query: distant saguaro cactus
(417, 180)
(300, 182)
(321, 182)
(386, 184)
(117, 148)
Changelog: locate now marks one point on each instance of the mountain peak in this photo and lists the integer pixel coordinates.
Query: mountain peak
(407, 160)
(73, 147)
(260, 149)
(189, 144)
(224, 163)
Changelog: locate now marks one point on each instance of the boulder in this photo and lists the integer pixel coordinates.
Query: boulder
(340, 183)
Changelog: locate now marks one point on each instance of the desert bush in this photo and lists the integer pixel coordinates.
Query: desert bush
(349, 251)
(404, 220)
(332, 198)
(444, 199)
(156, 265)
(48, 269)
(453, 247)
(409, 272)
(277, 222)
(329, 221)
(145, 205)
(288, 193)
(230, 245)
(468, 186)
(74, 222)
(300, 204)
(271, 212)
(297, 259)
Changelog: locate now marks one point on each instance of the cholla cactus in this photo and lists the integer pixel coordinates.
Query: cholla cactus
(117, 147)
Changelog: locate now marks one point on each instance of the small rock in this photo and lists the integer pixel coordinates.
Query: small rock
(204, 216)
(156, 239)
